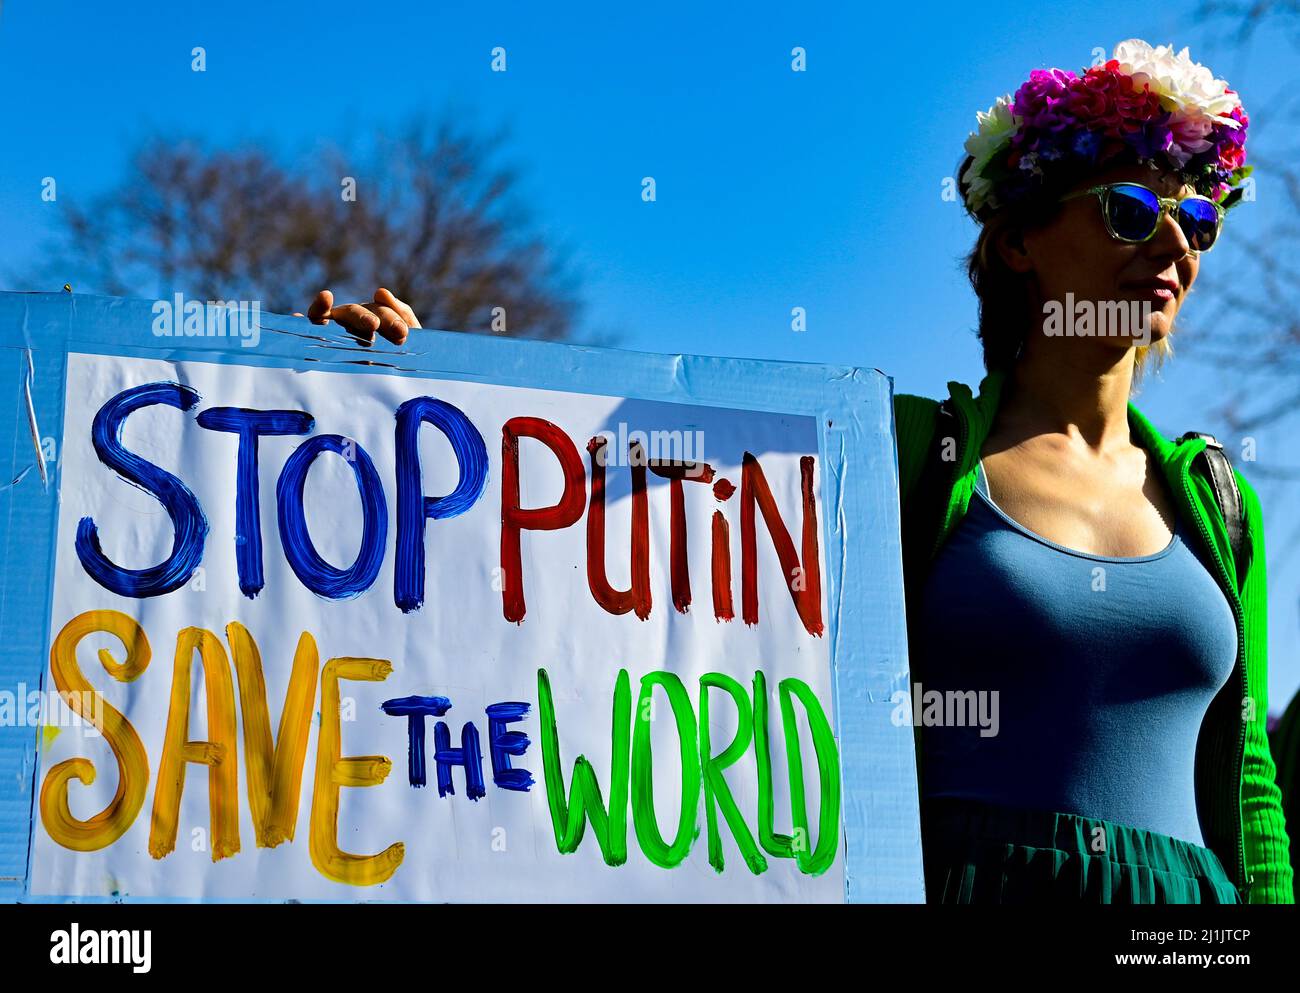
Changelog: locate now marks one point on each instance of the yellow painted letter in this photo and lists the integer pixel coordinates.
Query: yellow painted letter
(132, 762)
(218, 754)
(333, 772)
(274, 768)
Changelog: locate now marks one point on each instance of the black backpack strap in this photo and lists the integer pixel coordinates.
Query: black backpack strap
(1217, 468)
(924, 515)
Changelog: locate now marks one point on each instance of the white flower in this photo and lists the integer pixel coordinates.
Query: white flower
(996, 126)
(1185, 87)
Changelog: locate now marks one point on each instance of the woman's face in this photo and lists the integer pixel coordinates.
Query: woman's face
(1075, 254)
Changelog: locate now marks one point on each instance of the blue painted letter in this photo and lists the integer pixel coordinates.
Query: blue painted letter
(316, 574)
(415, 709)
(250, 425)
(502, 744)
(469, 755)
(189, 526)
(413, 507)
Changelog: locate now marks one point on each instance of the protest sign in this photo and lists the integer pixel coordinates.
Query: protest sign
(473, 619)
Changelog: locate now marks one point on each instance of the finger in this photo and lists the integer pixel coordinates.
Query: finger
(387, 299)
(357, 320)
(391, 326)
(318, 312)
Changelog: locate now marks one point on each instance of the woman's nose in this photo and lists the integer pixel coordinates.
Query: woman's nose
(1169, 237)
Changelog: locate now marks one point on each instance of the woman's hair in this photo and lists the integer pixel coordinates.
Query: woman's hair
(1006, 316)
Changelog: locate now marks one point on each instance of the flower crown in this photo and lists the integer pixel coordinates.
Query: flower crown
(1146, 104)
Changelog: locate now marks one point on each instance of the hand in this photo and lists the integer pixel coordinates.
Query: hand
(388, 315)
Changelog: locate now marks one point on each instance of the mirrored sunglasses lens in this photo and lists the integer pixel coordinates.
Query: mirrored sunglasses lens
(1133, 212)
(1200, 223)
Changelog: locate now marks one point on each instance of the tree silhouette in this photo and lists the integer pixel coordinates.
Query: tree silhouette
(427, 213)
(1256, 313)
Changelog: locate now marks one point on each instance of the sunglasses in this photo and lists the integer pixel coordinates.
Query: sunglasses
(1132, 214)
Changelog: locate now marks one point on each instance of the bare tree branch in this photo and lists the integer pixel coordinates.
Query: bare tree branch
(435, 219)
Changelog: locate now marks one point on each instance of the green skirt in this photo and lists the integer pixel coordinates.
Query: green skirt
(980, 853)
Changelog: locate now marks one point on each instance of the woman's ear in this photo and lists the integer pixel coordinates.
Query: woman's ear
(1009, 243)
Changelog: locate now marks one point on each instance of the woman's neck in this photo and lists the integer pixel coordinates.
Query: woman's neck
(1078, 392)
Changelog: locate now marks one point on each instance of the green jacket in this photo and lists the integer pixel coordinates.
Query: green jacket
(1240, 804)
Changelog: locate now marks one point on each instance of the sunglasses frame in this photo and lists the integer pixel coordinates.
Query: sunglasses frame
(1167, 205)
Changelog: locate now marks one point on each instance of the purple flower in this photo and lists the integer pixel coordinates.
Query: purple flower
(1086, 144)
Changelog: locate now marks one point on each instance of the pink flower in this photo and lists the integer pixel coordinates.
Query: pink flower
(1148, 104)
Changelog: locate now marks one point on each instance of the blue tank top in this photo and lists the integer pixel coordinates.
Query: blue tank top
(1090, 674)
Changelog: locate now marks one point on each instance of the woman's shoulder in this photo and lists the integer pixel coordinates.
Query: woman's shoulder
(915, 419)
(908, 403)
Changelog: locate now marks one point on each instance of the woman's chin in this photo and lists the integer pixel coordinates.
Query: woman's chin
(1159, 327)
(1158, 331)
(1155, 327)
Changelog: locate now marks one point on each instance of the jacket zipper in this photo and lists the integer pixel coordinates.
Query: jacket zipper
(1234, 601)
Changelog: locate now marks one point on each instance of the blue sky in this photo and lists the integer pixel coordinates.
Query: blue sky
(775, 189)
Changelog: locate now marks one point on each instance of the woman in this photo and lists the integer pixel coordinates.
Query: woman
(1076, 570)
(1065, 562)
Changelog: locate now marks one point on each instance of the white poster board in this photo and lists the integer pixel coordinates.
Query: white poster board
(460, 644)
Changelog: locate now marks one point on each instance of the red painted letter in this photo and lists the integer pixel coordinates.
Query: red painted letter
(676, 472)
(638, 596)
(803, 580)
(515, 518)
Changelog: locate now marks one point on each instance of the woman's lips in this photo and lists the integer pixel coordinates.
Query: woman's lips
(1156, 289)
